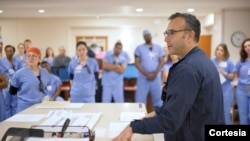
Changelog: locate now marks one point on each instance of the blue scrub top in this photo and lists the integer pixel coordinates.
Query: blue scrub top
(112, 78)
(8, 68)
(2, 105)
(54, 82)
(226, 65)
(149, 58)
(49, 61)
(21, 60)
(28, 86)
(84, 77)
(243, 68)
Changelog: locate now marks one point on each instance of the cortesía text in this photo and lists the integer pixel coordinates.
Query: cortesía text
(240, 132)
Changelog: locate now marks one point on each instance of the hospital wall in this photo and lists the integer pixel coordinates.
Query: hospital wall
(54, 32)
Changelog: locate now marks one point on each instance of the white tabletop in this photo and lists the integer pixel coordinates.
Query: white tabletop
(110, 114)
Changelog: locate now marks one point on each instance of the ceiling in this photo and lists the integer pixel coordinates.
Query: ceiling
(114, 8)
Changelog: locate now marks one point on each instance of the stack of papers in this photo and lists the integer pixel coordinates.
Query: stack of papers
(79, 122)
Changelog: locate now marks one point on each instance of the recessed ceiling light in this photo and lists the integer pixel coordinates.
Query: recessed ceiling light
(190, 10)
(1, 11)
(41, 11)
(139, 10)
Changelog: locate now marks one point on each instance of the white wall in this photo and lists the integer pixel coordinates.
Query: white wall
(54, 32)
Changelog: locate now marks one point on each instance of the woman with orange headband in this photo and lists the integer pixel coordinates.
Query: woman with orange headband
(29, 83)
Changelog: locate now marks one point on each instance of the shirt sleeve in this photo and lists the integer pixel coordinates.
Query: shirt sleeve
(172, 114)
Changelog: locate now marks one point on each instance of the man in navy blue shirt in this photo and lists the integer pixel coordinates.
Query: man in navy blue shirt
(193, 94)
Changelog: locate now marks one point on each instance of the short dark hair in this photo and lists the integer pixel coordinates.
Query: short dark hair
(192, 23)
(10, 46)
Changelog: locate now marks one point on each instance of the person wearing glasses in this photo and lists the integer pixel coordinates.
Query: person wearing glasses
(227, 72)
(114, 64)
(83, 75)
(193, 94)
(10, 65)
(29, 83)
(149, 59)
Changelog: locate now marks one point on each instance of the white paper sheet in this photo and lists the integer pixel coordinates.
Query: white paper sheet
(26, 118)
(222, 78)
(115, 128)
(79, 122)
(130, 116)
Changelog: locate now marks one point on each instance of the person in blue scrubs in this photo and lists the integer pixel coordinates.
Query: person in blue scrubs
(29, 83)
(21, 57)
(171, 59)
(54, 89)
(114, 64)
(227, 70)
(192, 97)
(149, 61)
(3, 84)
(10, 65)
(83, 75)
(243, 86)
(49, 56)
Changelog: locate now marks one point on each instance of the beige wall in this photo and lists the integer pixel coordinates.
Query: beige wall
(54, 32)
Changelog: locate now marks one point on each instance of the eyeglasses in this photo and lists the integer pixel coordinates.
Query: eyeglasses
(31, 56)
(170, 33)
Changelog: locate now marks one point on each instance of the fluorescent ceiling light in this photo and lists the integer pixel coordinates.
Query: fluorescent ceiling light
(190, 10)
(41, 11)
(139, 10)
(1, 11)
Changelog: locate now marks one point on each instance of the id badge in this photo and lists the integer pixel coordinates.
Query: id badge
(223, 64)
(78, 69)
(248, 71)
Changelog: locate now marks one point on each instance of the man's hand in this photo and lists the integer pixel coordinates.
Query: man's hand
(125, 135)
(151, 76)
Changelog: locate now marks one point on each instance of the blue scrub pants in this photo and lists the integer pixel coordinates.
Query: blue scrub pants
(227, 100)
(23, 105)
(81, 99)
(243, 102)
(10, 104)
(117, 92)
(2, 107)
(144, 87)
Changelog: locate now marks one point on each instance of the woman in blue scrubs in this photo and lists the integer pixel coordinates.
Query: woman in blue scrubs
(243, 87)
(10, 65)
(227, 70)
(21, 57)
(54, 89)
(3, 84)
(30, 82)
(83, 75)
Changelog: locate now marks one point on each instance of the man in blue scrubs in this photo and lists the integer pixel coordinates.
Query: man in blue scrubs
(114, 65)
(149, 59)
(193, 95)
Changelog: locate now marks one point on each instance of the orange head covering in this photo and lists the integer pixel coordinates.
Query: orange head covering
(34, 50)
